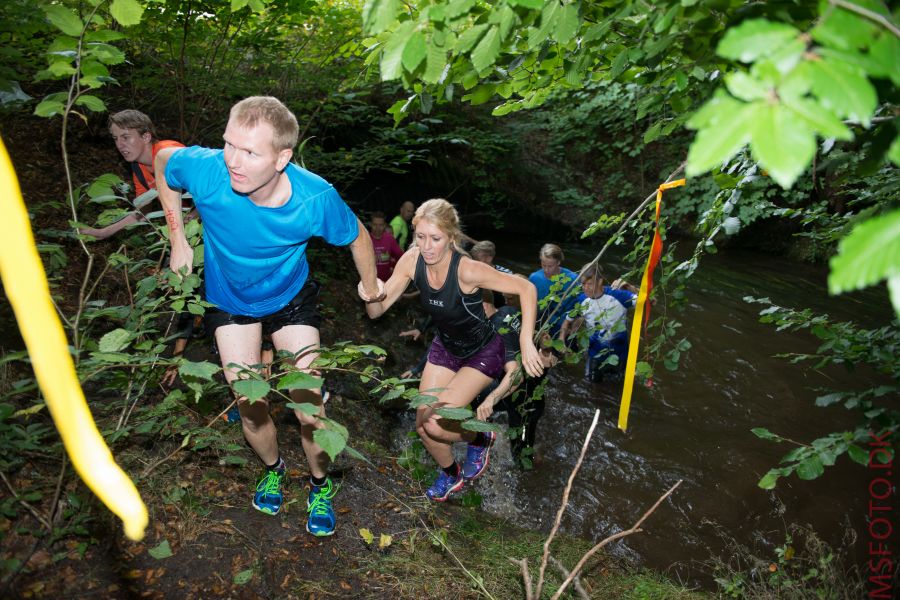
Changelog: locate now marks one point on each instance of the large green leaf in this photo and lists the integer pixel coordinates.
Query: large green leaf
(843, 29)
(754, 39)
(783, 144)
(456, 414)
(475, 425)
(728, 128)
(810, 468)
(392, 55)
(330, 441)
(91, 102)
(64, 19)
(414, 51)
(435, 61)
(378, 15)
(870, 253)
(200, 370)
(843, 88)
(486, 51)
(885, 55)
(744, 86)
(252, 389)
(819, 118)
(306, 408)
(567, 24)
(162, 550)
(468, 38)
(298, 380)
(115, 340)
(126, 12)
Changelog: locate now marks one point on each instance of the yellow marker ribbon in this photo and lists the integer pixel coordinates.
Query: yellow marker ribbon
(29, 294)
(640, 322)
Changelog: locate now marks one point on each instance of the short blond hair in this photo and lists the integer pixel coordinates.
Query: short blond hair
(552, 251)
(250, 111)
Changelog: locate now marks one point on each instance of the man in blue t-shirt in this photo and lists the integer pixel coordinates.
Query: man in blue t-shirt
(550, 309)
(259, 211)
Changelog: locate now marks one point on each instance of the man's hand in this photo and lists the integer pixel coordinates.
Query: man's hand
(182, 257)
(369, 296)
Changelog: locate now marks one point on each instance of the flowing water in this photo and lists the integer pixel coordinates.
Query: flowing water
(694, 425)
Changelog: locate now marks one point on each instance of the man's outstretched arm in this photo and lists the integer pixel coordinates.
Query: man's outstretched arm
(182, 254)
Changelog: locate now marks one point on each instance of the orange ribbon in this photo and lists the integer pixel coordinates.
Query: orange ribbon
(640, 321)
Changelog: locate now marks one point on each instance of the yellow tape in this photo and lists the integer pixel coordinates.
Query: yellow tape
(638, 322)
(26, 286)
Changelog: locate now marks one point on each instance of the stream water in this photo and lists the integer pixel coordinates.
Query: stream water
(694, 425)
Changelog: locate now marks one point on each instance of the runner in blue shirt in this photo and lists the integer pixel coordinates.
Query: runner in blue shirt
(259, 210)
(552, 312)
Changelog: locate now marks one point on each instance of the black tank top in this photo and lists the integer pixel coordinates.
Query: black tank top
(460, 318)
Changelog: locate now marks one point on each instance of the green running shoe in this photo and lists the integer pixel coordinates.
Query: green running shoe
(269, 492)
(321, 521)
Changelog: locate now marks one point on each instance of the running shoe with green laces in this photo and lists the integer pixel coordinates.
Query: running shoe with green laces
(321, 520)
(269, 492)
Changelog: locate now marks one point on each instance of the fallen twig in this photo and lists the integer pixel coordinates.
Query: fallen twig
(565, 573)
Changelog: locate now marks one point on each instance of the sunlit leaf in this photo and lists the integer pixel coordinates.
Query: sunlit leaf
(486, 51)
(367, 536)
(868, 254)
(384, 541)
(200, 370)
(126, 12)
(379, 14)
(414, 51)
(844, 89)
(782, 144)
(754, 39)
(298, 380)
(728, 130)
(115, 340)
(391, 64)
(64, 19)
(93, 103)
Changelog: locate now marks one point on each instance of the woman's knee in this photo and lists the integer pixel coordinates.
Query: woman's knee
(433, 429)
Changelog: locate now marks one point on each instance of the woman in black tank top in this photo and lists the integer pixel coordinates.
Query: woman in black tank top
(467, 353)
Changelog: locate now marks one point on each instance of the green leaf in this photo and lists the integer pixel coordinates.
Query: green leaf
(111, 357)
(476, 425)
(252, 389)
(49, 108)
(306, 408)
(743, 86)
(843, 29)
(64, 19)
(843, 88)
(549, 16)
(126, 12)
(163, 550)
(782, 144)
(392, 56)
(618, 64)
(330, 441)
(526, 3)
(378, 15)
(729, 127)
(894, 152)
(810, 468)
(435, 61)
(486, 51)
(469, 38)
(456, 414)
(298, 380)
(237, 5)
(763, 433)
(414, 51)
(754, 39)
(199, 370)
(858, 455)
(819, 118)
(367, 536)
(243, 577)
(567, 23)
(769, 479)
(115, 340)
(885, 56)
(91, 102)
(421, 400)
(870, 253)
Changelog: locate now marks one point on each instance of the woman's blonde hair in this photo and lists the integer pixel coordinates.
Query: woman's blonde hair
(442, 215)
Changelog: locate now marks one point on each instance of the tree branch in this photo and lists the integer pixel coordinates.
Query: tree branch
(865, 12)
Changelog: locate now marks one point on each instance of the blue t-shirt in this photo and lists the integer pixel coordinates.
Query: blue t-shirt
(254, 256)
(542, 283)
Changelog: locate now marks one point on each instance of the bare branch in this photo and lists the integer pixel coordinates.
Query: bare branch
(634, 529)
(563, 505)
(566, 575)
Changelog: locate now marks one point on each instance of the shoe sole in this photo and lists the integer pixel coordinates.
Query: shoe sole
(453, 489)
(319, 533)
(265, 511)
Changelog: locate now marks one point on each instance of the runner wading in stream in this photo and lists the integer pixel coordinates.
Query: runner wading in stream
(466, 354)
